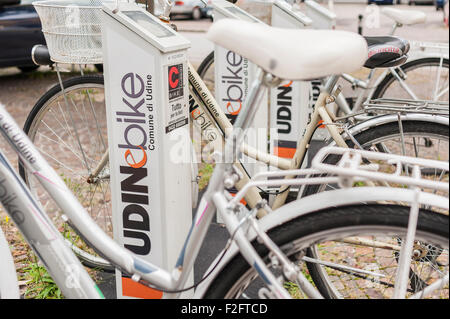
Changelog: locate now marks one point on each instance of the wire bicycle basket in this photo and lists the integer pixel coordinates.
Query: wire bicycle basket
(72, 30)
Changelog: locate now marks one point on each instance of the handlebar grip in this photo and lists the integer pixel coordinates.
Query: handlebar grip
(40, 55)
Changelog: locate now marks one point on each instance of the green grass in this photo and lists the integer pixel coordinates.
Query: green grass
(293, 288)
(40, 283)
(205, 174)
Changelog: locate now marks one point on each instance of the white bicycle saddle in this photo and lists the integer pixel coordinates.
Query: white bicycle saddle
(406, 17)
(289, 53)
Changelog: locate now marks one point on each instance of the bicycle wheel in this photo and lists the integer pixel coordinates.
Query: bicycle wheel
(419, 139)
(329, 230)
(206, 72)
(427, 79)
(70, 132)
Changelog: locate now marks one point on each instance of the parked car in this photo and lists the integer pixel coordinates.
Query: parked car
(413, 2)
(439, 4)
(20, 30)
(196, 9)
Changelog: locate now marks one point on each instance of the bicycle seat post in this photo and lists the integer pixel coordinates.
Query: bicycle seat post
(395, 26)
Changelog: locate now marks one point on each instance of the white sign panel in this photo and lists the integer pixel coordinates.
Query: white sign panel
(147, 107)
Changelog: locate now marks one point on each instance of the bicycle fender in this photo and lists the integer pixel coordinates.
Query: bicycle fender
(393, 118)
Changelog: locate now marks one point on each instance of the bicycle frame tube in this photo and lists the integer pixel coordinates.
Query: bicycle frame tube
(206, 101)
(363, 85)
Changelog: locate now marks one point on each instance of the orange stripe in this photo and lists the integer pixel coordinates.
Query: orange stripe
(321, 126)
(131, 288)
(243, 202)
(285, 152)
(288, 85)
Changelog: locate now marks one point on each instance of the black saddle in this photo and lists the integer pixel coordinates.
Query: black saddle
(386, 51)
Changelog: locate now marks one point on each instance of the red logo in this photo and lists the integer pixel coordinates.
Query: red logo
(377, 50)
(173, 77)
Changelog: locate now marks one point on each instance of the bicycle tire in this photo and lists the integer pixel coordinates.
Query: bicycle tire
(205, 68)
(410, 66)
(205, 64)
(305, 230)
(31, 127)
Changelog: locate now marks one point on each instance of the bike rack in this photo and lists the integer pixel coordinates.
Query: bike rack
(146, 89)
(389, 106)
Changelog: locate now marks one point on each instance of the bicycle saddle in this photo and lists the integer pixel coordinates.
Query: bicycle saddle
(406, 17)
(386, 51)
(289, 53)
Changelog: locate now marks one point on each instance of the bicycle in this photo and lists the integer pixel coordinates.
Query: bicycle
(280, 237)
(212, 121)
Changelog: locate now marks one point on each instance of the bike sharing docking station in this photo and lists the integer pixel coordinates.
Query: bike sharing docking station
(322, 17)
(234, 76)
(290, 106)
(146, 90)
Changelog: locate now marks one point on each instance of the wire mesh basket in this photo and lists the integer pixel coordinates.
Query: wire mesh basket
(72, 30)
